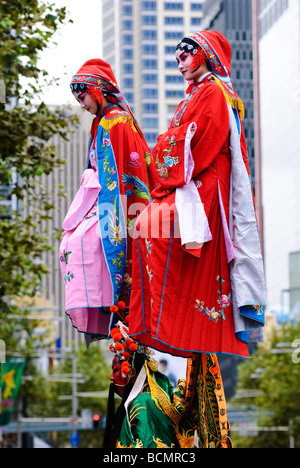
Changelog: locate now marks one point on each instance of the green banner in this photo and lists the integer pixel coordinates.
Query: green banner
(11, 375)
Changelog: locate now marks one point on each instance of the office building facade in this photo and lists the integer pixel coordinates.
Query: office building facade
(279, 51)
(139, 40)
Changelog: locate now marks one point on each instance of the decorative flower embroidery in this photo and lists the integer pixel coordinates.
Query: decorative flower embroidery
(109, 171)
(119, 277)
(68, 276)
(149, 245)
(169, 161)
(112, 186)
(106, 142)
(116, 234)
(259, 309)
(65, 256)
(224, 301)
(93, 157)
(118, 261)
(149, 273)
(148, 158)
(134, 160)
(179, 113)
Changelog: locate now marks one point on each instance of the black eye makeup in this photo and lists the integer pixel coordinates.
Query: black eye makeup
(81, 97)
(182, 57)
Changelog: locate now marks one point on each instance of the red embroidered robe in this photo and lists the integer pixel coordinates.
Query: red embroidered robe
(181, 299)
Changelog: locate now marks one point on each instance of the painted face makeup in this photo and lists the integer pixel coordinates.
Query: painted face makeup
(86, 102)
(185, 62)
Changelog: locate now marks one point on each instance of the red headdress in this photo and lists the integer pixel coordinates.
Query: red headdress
(99, 79)
(217, 52)
(98, 76)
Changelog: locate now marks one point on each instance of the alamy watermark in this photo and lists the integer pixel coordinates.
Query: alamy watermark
(296, 353)
(2, 91)
(2, 351)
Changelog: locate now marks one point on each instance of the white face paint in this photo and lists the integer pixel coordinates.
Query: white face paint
(86, 102)
(185, 66)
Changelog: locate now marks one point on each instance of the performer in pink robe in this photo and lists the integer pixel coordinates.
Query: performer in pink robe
(95, 253)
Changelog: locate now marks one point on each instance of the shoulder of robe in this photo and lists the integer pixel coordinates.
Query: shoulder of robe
(116, 116)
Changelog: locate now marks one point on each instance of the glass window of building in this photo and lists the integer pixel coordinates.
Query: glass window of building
(171, 64)
(174, 79)
(149, 34)
(170, 50)
(127, 10)
(150, 122)
(150, 108)
(150, 63)
(175, 35)
(196, 21)
(128, 54)
(173, 6)
(128, 68)
(150, 49)
(173, 20)
(150, 78)
(127, 24)
(150, 137)
(127, 39)
(149, 20)
(175, 93)
(196, 6)
(150, 93)
(128, 82)
(147, 5)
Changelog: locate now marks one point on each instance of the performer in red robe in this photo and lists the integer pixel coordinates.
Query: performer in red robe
(198, 279)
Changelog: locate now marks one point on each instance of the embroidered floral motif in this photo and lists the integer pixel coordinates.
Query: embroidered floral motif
(115, 228)
(149, 245)
(118, 262)
(179, 113)
(169, 161)
(134, 160)
(68, 276)
(148, 158)
(65, 256)
(259, 309)
(109, 171)
(112, 186)
(93, 157)
(224, 301)
(149, 272)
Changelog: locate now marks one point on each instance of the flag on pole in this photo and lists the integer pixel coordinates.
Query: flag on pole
(10, 382)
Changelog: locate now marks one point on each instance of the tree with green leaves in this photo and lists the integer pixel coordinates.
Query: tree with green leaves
(26, 127)
(273, 373)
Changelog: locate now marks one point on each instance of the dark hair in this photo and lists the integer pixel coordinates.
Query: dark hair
(188, 45)
(191, 47)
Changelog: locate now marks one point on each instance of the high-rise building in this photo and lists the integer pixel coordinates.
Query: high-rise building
(139, 40)
(279, 58)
